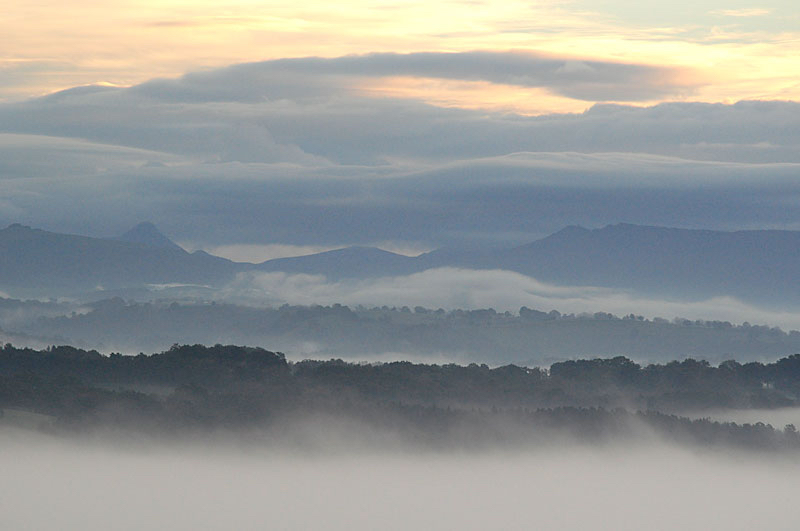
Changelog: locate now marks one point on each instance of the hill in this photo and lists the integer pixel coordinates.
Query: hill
(35, 262)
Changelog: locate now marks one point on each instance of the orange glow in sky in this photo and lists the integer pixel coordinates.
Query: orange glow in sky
(732, 51)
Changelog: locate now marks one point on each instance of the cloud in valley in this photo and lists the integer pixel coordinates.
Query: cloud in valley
(262, 130)
(502, 290)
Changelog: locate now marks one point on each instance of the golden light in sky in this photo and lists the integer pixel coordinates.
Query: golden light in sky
(727, 51)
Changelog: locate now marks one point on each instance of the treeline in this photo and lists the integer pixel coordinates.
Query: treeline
(608, 382)
(527, 337)
(197, 387)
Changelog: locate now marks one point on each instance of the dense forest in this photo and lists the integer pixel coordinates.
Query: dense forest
(526, 337)
(190, 388)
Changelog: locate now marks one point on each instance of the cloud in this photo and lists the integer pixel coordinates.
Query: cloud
(572, 77)
(313, 77)
(286, 111)
(243, 156)
(38, 156)
(89, 188)
(502, 290)
(745, 12)
(170, 37)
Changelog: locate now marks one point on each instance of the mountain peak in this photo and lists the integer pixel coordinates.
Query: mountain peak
(146, 233)
(17, 227)
(573, 229)
(570, 231)
(17, 231)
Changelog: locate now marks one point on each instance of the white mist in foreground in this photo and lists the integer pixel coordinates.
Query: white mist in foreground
(51, 484)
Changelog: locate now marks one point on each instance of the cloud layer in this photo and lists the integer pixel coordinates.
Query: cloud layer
(279, 153)
(588, 80)
(747, 51)
(103, 190)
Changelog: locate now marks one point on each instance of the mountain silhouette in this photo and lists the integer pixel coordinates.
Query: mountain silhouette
(754, 265)
(146, 233)
(759, 265)
(350, 262)
(35, 262)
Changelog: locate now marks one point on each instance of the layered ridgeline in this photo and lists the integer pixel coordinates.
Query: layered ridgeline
(527, 336)
(754, 265)
(191, 388)
(759, 266)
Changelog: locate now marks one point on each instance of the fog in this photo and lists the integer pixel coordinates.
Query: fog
(777, 418)
(502, 290)
(94, 485)
(398, 318)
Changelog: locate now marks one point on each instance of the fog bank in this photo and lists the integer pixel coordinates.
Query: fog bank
(58, 483)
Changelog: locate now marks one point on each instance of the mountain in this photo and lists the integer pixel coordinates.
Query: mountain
(146, 233)
(754, 265)
(38, 263)
(758, 265)
(350, 262)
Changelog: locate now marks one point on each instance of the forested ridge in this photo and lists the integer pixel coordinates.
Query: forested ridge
(194, 387)
(528, 337)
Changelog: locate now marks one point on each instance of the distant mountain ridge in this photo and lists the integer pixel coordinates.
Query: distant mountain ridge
(146, 233)
(35, 262)
(758, 265)
(349, 262)
(755, 265)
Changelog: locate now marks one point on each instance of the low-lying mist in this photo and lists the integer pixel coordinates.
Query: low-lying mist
(208, 483)
(502, 290)
(524, 337)
(229, 437)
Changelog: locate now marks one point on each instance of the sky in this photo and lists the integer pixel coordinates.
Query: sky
(708, 50)
(259, 129)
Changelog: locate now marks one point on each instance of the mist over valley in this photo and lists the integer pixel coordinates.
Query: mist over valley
(217, 431)
(215, 486)
(421, 265)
